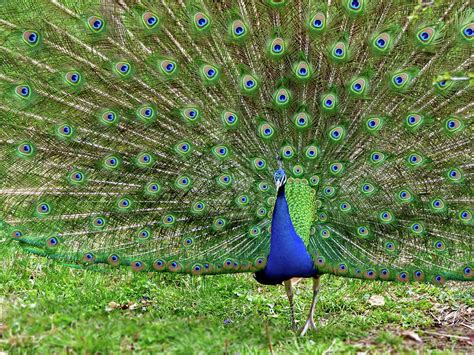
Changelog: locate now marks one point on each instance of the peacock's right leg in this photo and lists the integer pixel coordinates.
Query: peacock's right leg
(289, 293)
(310, 321)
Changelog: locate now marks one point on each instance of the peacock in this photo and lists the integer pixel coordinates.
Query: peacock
(284, 138)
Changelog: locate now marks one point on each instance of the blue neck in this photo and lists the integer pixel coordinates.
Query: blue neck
(288, 254)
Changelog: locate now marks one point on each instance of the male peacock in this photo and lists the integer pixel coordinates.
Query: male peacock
(286, 138)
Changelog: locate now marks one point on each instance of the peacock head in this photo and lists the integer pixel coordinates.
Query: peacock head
(279, 177)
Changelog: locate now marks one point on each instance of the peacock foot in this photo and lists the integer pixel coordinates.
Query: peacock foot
(307, 326)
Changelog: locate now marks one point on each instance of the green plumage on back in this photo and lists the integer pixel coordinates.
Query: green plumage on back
(147, 135)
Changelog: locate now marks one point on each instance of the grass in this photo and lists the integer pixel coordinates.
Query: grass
(46, 307)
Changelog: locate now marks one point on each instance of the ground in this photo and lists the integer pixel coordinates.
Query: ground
(46, 307)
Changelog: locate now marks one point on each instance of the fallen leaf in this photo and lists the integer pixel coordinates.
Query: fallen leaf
(111, 306)
(412, 335)
(3, 329)
(376, 300)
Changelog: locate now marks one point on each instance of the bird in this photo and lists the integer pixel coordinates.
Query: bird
(284, 138)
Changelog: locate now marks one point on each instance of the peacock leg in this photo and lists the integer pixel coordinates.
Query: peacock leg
(310, 321)
(289, 293)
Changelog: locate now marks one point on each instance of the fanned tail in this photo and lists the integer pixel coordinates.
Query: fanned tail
(146, 134)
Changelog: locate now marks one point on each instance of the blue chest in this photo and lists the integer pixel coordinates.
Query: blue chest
(288, 254)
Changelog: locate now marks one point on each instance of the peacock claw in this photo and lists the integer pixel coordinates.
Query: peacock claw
(307, 326)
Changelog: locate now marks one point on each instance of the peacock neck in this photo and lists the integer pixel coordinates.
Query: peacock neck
(288, 256)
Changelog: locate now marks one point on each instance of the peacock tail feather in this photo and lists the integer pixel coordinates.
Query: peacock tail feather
(147, 134)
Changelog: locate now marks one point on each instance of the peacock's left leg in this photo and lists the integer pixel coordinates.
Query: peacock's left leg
(289, 293)
(310, 321)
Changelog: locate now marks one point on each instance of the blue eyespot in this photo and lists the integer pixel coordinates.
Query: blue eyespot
(355, 4)
(250, 83)
(277, 48)
(31, 38)
(97, 24)
(317, 23)
(424, 35)
(339, 52)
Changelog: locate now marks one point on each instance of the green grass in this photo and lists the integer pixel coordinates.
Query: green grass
(46, 307)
